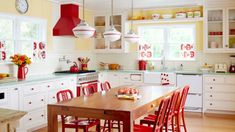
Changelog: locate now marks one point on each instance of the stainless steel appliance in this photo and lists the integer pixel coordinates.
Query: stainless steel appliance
(84, 78)
(194, 99)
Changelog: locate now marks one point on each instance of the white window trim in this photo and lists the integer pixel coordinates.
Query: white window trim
(16, 29)
(167, 26)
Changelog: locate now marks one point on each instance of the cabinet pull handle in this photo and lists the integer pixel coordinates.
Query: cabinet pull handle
(62, 83)
(42, 99)
(210, 87)
(42, 115)
(226, 46)
(210, 104)
(30, 102)
(210, 95)
(152, 105)
(213, 79)
(53, 97)
(15, 89)
(48, 86)
(30, 119)
(32, 89)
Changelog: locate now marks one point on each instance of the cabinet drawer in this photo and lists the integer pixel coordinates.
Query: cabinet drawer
(52, 97)
(220, 88)
(30, 89)
(220, 96)
(34, 118)
(34, 101)
(214, 80)
(220, 105)
(230, 80)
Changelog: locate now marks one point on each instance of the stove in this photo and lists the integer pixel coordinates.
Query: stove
(84, 78)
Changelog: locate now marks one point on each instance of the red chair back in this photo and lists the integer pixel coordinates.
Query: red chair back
(173, 103)
(162, 111)
(183, 98)
(105, 86)
(64, 95)
(88, 90)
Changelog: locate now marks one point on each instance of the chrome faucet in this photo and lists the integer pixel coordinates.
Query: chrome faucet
(64, 59)
(163, 63)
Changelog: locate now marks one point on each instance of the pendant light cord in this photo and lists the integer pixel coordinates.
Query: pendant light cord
(83, 10)
(132, 14)
(112, 13)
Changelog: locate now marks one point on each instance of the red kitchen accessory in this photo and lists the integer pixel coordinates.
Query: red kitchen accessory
(74, 68)
(22, 72)
(142, 64)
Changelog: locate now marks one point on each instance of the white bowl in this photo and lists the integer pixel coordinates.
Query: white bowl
(155, 16)
(167, 16)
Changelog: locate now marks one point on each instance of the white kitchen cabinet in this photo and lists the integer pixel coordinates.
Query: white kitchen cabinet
(101, 24)
(34, 97)
(9, 97)
(114, 79)
(219, 93)
(219, 23)
(133, 78)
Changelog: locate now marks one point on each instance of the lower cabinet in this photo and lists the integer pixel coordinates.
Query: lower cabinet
(219, 93)
(34, 97)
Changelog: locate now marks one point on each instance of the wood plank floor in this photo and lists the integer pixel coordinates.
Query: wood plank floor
(197, 123)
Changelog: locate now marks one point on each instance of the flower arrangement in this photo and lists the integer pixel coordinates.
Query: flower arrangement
(20, 60)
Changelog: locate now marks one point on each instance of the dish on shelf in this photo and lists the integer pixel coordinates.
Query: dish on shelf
(180, 15)
(167, 16)
(155, 16)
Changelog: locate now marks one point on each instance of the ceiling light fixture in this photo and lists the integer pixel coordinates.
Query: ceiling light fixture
(83, 30)
(112, 34)
(131, 37)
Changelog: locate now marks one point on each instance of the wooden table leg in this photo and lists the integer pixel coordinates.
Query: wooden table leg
(52, 119)
(128, 124)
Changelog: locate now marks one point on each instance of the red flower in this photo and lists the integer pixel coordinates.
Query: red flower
(22, 58)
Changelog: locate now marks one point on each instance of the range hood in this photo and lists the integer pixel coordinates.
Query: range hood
(69, 18)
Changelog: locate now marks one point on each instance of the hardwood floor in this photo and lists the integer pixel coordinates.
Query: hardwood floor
(197, 123)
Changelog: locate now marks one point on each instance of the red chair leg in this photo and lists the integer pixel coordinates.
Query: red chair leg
(119, 126)
(105, 123)
(109, 125)
(76, 129)
(173, 125)
(98, 127)
(185, 130)
(178, 122)
(63, 129)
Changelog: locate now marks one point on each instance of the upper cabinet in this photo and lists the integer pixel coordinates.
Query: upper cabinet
(220, 27)
(103, 23)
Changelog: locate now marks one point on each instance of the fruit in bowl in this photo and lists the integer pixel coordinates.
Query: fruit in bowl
(128, 91)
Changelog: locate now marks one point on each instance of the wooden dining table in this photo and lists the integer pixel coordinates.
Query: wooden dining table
(106, 105)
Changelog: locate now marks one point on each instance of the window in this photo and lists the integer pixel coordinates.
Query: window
(20, 34)
(174, 42)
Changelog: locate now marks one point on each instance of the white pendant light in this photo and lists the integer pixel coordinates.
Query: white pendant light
(83, 30)
(131, 37)
(112, 34)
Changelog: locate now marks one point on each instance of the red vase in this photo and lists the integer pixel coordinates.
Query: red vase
(22, 72)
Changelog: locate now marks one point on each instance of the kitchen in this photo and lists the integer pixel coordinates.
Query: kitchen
(194, 46)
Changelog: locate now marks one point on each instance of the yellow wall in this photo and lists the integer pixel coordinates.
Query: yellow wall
(37, 8)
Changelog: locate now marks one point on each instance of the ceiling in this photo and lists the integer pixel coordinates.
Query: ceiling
(103, 5)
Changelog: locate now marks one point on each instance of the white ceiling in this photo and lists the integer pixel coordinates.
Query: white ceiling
(103, 5)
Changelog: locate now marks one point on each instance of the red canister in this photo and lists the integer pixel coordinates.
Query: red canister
(142, 64)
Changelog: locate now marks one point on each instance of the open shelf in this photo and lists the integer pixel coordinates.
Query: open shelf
(168, 20)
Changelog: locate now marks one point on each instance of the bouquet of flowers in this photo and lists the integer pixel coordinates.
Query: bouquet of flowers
(20, 60)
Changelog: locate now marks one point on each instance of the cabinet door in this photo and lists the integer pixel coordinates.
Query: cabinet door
(231, 27)
(215, 33)
(14, 98)
(113, 79)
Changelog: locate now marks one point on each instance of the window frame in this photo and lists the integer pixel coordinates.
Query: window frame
(16, 30)
(166, 45)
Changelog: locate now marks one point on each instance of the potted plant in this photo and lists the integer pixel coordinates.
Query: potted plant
(21, 61)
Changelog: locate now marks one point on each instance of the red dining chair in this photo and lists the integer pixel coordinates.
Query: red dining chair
(88, 90)
(84, 124)
(105, 86)
(169, 121)
(108, 123)
(158, 121)
(180, 109)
